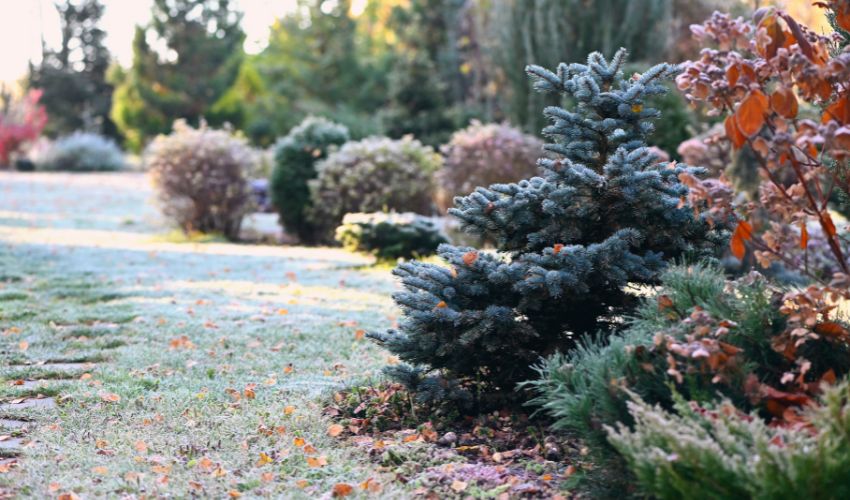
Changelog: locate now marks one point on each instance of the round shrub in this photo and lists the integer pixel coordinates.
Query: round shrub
(390, 236)
(371, 175)
(200, 176)
(82, 152)
(295, 158)
(482, 155)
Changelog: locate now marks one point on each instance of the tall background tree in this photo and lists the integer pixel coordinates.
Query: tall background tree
(76, 93)
(184, 61)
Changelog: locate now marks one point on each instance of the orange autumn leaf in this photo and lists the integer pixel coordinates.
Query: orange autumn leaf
(302, 483)
(557, 248)
(110, 397)
(310, 449)
(830, 329)
(342, 490)
(804, 236)
(743, 232)
(335, 430)
(288, 410)
(359, 334)
(750, 115)
(315, 462)
(784, 102)
(441, 305)
(732, 74)
(838, 111)
(100, 470)
(23, 345)
(264, 459)
(732, 132)
(470, 257)
(299, 442)
(828, 225)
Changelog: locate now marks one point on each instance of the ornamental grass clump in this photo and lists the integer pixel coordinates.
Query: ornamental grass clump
(603, 214)
(200, 176)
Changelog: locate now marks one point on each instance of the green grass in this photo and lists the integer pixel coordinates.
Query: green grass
(176, 332)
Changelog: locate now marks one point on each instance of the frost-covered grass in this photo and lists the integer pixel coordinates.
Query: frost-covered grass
(204, 345)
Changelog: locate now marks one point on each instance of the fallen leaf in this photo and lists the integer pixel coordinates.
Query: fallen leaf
(23, 345)
(335, 430)
(264, 459)
(317, 461)
(100, 470)
(458, 485)
(141, 446)
(299, 442)
(110, 397)
(288, 410)
(342, 490)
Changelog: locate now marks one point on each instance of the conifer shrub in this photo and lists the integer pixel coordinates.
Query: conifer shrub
(200, 176)
(603, 214)
(295, 158)
(703, 336)
(82, 152)
(375, 174)
(390, 236)
(485, 154)
(717, 451)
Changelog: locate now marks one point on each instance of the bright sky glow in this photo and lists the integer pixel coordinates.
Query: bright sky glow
(24, 22)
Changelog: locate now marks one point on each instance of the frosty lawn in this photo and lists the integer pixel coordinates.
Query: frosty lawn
(170, 368)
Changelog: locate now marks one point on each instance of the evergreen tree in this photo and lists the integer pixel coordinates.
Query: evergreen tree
(425, 81)
(603, 216)
(193, 62)
(76, 93)
(546, 32)
(289, 80)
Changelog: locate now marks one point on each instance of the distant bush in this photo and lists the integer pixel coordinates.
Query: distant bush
(200, 176)
(482, 155)
(390, 236)
(82, 152)
(372, 175)
(295, 158)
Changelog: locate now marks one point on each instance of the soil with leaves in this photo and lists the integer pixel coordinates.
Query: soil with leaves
(138, 366)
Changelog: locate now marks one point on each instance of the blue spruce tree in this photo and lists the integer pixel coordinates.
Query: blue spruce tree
(603, 216)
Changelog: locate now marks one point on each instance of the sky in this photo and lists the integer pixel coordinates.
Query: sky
(23, 22)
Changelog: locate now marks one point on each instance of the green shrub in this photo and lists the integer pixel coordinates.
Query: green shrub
(82, 152)
(699, 334)
(603, 216)
(200, 175)
(705, 451)
(390, 236)
(372, 175)
(295, 160)
(481, 155)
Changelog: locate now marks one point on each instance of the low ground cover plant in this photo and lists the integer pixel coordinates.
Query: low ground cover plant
(200, 176)
(390, 236)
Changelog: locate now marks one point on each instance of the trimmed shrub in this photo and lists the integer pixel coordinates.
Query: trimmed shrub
(481, 155)
(372, 175)
(200, 176)
(390, 236)
(717, 451)
(82, 152)
(295, 161)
